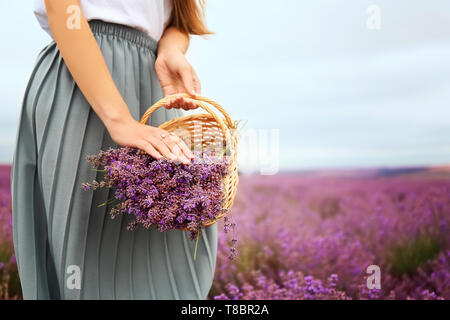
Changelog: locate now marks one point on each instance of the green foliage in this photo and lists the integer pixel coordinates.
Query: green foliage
(406, 257)
(9, 276)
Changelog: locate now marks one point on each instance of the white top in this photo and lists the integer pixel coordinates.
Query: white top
(150, 16)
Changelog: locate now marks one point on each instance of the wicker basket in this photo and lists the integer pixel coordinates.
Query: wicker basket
(206, 131)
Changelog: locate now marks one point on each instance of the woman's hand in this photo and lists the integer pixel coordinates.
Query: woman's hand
(176, 75)
(174, 71)
(155, 141)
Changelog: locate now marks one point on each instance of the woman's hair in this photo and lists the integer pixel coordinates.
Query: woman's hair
(188, 16)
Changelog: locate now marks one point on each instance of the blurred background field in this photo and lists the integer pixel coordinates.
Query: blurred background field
(311, 235)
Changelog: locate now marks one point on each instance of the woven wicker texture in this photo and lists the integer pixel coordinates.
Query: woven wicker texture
(213, 131)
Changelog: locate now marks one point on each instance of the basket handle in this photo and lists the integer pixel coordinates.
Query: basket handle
(197, 100)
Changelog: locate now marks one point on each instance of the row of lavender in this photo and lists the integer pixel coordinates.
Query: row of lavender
(313, 237)
(9, 280)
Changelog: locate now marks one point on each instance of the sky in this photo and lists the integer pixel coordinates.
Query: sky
(320, 84)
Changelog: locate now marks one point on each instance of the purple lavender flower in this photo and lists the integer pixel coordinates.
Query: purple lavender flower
(330, 229)
(161, 193)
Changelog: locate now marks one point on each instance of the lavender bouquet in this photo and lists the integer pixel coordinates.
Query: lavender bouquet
(163, 193)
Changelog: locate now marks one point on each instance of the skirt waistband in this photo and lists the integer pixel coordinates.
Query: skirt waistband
(124, 32)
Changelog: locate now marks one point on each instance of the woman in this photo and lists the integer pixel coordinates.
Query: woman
(109, 61)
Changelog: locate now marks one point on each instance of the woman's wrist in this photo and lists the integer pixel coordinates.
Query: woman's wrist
(169, 53)
(169, 49)
(173, 40)
(113, 118)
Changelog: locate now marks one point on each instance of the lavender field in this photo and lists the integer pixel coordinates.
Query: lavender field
(313, 235)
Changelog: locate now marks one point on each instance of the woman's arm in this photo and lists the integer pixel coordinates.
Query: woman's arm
(87, 66)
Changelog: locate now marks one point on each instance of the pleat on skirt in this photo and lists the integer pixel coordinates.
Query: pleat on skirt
(59, 231)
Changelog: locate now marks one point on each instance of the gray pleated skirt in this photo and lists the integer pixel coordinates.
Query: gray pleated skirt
(66, 246)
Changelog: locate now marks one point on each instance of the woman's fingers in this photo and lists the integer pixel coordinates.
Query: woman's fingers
(159, 150)
(161, 147)
(190, 80)
(186, 74)
(187, 152)
(197, 84)
(168, 145)
(160, 143)
(178, 147)
(182, 146)
(168, 140)
(180, 102)
(147, 147)
(156, 142)
(188, 104)
(179, 152)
